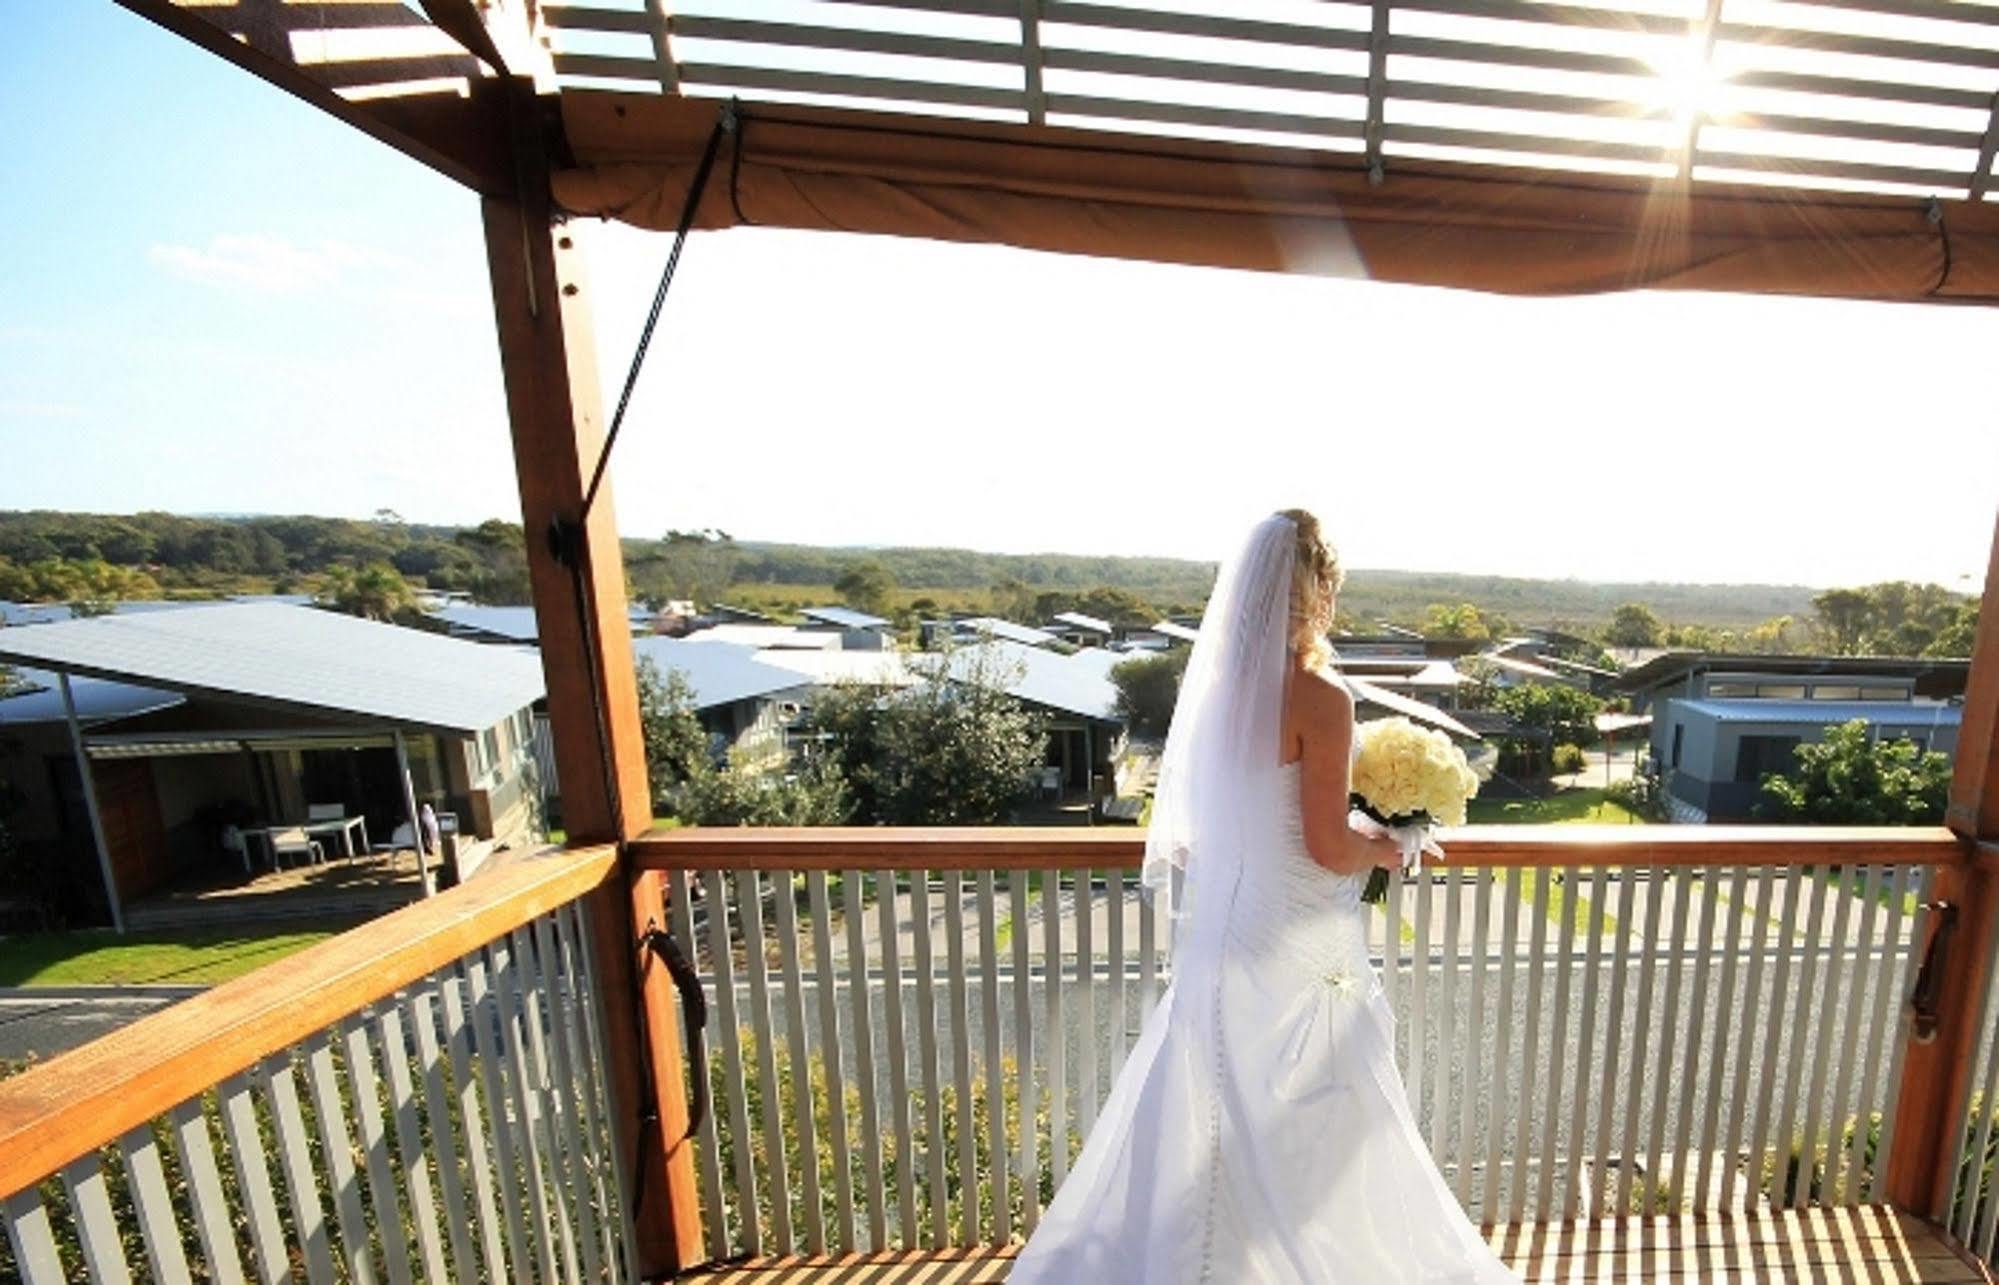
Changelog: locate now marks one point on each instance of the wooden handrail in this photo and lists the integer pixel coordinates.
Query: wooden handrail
(1055, 848)
(81, 1100)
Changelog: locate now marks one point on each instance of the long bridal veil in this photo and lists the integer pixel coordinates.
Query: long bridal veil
(1212, 809)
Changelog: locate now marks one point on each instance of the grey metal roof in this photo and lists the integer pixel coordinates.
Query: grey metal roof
(828, 666)
(49, 613)
(1174, 629)
(315, 661)
(1934, 677)
(1081, 621)
(720, 673)
(994, 627)
(1077, 684)
(97, 700)
(844, 617)
(1810, 713)
(32, 613)
(1407, 706)
(788, 637)
(516, 624)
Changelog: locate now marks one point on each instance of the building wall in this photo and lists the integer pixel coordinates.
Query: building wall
(1711, 751)
(503, 784)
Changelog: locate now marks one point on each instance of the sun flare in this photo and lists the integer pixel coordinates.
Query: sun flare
(1688, 81)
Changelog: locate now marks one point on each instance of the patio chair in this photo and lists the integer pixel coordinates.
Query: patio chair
(294, 842)
(325, 811)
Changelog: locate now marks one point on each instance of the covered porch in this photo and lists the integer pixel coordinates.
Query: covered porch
(893, 1042)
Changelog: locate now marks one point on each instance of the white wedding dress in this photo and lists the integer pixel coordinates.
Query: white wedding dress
(1259, 1131)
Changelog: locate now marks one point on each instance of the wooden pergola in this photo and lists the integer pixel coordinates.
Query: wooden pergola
(1843, 148)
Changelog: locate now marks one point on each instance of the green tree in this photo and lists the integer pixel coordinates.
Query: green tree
(1843, 617)
(1566, 713)
(374, 592)
(1634, 624)
(1462, 621)
(1700, 637)
(1148, 687)
(1956, 639)
(866, 586)
(955, 749)
(694, 565)
(676, 745)
(499, 571)
(1852, 778)
(746, 794)
(1478, 683)
(1772, 637)
(687, 782)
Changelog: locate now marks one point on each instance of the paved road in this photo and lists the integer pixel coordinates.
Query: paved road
(41, 1023)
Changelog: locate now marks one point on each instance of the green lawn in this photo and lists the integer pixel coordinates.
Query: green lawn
(189, 957)
(1570, 807)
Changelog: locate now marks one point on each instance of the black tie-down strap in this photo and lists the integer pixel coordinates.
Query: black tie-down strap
(659, 944)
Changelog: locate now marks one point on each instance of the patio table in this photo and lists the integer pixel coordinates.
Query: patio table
(347, 828)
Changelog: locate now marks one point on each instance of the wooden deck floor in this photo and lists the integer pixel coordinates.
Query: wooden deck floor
(339, 888)
(1822, 1246)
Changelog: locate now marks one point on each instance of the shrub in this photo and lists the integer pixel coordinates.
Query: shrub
(1568, 759)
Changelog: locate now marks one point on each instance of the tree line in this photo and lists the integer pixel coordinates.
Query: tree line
(1891, 618)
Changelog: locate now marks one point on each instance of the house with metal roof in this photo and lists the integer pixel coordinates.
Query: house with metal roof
(1079, 630)
(150, 739)
(769, 637)
(856, 630)
(745, 704)
(1721, 722)
(980, 628)
(1074, 693)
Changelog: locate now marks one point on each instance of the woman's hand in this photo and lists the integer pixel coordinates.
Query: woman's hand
(1383, 852)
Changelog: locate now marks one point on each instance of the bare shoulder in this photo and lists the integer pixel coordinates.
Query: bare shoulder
(1322, 695)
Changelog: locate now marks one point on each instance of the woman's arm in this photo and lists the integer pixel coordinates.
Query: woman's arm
(1324, 719)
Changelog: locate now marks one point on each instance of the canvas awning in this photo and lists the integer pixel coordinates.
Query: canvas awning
(1192, 201)
(1519, 146)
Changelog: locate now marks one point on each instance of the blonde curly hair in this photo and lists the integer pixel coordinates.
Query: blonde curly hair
(1316, 576)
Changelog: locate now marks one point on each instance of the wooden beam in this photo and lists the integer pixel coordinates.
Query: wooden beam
(548, 359)
(542, 303)
(456, 134)
(667, 1201)
(1936, 1078)
(1106, 847)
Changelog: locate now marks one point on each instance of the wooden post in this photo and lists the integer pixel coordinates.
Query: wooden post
(541, 304)
(1936, 1078)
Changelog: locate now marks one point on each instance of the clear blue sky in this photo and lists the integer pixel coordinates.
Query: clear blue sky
(214, 299)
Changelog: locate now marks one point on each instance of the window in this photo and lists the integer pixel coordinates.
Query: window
(485, 754)
(1885, 694)
(1679, 734)
(1781, 691)
(1728, 691)
(1835, 692)
(1756, 755)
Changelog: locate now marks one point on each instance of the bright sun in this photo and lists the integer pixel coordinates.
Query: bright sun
(1688, 81)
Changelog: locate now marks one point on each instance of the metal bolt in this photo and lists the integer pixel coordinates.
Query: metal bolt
(569, 289)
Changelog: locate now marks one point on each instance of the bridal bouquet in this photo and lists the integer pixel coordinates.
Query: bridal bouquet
(1407, 781)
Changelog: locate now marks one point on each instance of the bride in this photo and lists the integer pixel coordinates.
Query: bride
(1259, 1131)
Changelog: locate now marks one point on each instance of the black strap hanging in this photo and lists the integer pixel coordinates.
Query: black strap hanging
(657, 943)
(725, 123)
